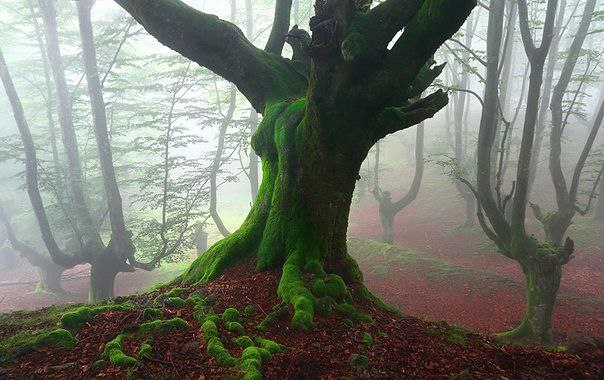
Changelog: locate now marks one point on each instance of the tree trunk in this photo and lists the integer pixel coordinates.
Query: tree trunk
(254, 176)
(599, 213)
(471, 210)
(542, 283)
(387, 221)
(102, 278)
(300, 217)
(201, 242)
(50, 279)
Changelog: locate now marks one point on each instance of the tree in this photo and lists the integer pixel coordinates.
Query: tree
(599, 212)
(85, 244)
(556, 224)
(318, 126)
(49, 272)
(541, 263)
(389, 209)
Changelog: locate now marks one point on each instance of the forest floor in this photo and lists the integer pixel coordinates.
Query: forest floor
(394, 346)
(475, 286)
(469, 283)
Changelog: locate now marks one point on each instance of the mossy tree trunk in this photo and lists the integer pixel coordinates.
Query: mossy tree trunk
(319, 124)
(542, 268)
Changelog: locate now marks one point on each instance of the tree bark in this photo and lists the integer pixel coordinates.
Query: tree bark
(122, 245)
(542, 280)
(599, 213)
(50, 279)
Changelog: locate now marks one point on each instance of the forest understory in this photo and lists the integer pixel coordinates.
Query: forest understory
(434, 262)
(391, 346)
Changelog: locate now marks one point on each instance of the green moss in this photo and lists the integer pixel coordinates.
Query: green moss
(175, 302)
(243, 341)
(26, 340)
(217, 350)
(454, 334)
(151, 313)
(249, 310)
(293, 290)
(350, 312)
(77, 318)
(175, 292)
(209, 329)
(98, 364)
(279, 312)
(230, 315)
(256, 353)
(113, 352)
(211, 299)
(145, 350)
(251, 362)
(235, 327)
(269, 345)
(367, 339)
(358, 361)
(163, 325)
(200, 311)
(58, 337)
(325, 306)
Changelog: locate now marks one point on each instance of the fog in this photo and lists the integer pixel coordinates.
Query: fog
(180, 138)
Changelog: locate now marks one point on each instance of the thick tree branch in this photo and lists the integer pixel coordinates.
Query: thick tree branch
(221, 47)
(371, 32)
(32, 256)
(415, 47)
(393, 119)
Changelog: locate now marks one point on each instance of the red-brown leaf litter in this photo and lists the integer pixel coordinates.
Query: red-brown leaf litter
(402, 347)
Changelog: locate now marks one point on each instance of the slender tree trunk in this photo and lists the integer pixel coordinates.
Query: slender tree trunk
(253, 174)
(387, 222)
(121, 242)
(599, 213)
(217, 163)
(546, 96)
(87, 228)
(253, 171)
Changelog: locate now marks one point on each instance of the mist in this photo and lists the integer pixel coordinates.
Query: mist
(262, 155)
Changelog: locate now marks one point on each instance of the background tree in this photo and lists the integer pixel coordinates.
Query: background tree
(389, 209)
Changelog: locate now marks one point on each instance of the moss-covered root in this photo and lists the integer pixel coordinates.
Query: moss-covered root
(76, 318)
(113, 352)
(305, 285)
(113, 349)
(251, 362)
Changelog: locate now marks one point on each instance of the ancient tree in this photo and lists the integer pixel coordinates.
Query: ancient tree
(319, 123)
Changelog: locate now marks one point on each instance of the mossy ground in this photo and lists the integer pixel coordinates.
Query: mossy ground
(203, 345)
